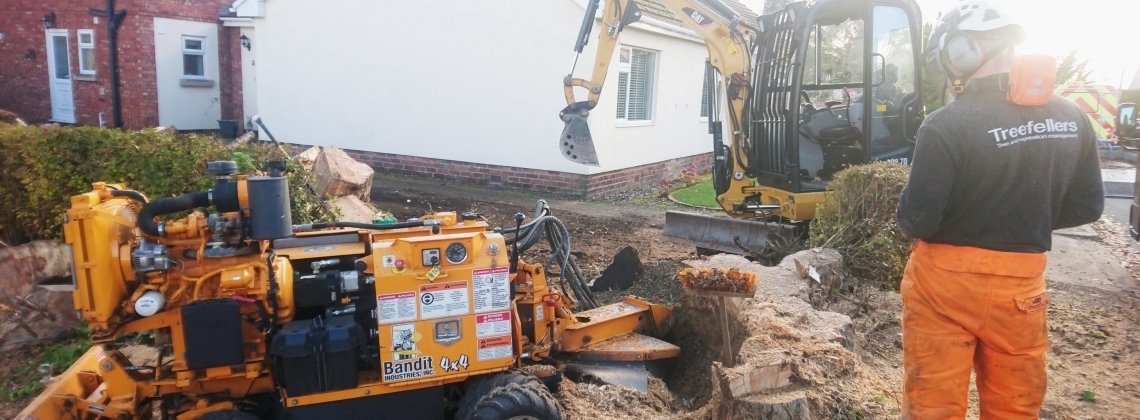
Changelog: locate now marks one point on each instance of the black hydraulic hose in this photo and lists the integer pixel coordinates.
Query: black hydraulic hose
(131, 194)
(370, 226)
(169, 205)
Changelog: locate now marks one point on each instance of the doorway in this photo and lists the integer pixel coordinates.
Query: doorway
(59, 76)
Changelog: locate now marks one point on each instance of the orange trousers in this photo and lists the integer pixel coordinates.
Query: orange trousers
(969, 308)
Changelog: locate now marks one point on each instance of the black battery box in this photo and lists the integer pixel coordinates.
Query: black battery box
(212, 331)
(317, 355)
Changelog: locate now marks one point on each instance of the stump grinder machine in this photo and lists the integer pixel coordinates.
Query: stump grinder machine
(801, 93)
(253, 317)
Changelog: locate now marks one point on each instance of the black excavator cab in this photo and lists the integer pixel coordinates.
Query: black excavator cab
(835, 83)
(1128, 135)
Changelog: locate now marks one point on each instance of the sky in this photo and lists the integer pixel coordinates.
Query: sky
(1105, 32)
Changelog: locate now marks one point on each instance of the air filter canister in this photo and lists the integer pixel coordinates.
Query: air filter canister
(270, 214)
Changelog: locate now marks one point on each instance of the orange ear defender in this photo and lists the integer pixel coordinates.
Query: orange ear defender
(1031, 79)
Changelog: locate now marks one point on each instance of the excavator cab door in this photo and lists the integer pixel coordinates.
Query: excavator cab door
(839, 86)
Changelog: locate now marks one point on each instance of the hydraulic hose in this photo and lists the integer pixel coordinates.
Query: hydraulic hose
(370, 226)
(558, 239)
(169, 205)
(131, 194)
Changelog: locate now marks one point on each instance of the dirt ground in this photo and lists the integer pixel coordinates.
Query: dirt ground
(1094, 315)
(1094, 318)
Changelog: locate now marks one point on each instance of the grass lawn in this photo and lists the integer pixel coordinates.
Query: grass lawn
(701, 194)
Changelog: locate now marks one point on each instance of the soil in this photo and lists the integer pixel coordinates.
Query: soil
(1095, 329)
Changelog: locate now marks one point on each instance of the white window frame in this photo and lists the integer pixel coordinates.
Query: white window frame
(704, 96)
(199, 52)
(623, 71)
(85, 46)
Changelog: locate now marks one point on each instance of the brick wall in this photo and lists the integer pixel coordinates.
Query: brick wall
(24, 67)
(595, 185)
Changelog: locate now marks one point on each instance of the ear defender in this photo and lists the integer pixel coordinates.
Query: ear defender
(962, 55)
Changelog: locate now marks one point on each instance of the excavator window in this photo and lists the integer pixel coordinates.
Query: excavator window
(892, 41)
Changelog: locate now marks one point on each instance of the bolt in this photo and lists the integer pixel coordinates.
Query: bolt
(587, 339)
(294, 401)
(368, 392)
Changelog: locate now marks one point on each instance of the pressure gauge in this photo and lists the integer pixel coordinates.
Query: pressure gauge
(456, 253)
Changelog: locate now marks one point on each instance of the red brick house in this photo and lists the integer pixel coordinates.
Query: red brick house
(177, 63)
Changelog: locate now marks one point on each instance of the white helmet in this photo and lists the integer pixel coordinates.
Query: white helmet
(954, 48)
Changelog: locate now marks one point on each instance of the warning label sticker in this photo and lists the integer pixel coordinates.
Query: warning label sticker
(440, 300)
(492, 324)
(492, 289)
(495, 347)
(396, 307)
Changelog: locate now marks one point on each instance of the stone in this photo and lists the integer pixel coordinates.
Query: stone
(339, 175)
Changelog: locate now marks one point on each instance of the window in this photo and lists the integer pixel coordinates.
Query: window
(705, 99)
(86, 51)
(193, 57)
(636, 76)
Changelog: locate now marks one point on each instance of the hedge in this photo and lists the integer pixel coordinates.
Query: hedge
(858, 219)
(42, 167)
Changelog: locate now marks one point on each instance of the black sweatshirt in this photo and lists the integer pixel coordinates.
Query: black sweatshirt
(991, 174)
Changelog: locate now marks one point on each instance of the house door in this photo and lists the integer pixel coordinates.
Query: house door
(249, 77)
(59, 76)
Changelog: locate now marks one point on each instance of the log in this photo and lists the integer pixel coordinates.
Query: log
(762, 377)
(339, 175)
(46, 314)
(30, 264)
(306, 158)
(352, 209)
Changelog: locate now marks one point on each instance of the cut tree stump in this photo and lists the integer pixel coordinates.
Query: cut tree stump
(339, 175)
(44, 315)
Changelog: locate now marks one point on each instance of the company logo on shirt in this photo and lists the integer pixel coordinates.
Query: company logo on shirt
(1032, 128)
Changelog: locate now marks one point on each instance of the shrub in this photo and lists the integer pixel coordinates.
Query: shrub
(858, 219)
(42, 167)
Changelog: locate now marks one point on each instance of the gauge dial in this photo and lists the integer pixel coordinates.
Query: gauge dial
(456, 253)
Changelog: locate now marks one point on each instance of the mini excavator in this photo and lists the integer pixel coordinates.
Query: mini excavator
(254, 317)
(808, 90)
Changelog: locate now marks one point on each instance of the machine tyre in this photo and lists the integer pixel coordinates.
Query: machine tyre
(517, 402)
(228, 415)
(482, 386)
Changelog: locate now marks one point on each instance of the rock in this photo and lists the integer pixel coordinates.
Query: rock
(306, 158)
(354, 210)
(45, 314)
(170, 129)
(339, 175)
(7, 117)
(621, 273)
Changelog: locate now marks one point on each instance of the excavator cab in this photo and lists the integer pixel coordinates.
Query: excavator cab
(835, 84)
(1128, 135)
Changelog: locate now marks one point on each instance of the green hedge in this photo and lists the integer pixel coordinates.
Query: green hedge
(858, 219)
(42, 167)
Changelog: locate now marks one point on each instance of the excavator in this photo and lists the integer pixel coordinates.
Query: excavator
(808, 90)
(1128, 134)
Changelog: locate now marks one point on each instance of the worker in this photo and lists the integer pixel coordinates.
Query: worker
(990, 181)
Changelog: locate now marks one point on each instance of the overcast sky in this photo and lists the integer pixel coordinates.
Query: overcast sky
(1105, 32)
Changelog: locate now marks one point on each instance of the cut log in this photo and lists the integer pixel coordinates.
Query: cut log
(44, 315)
(339, 175)
(352, 209)
(306, 158)
(244, 138)
(760, 377)
(30, 264)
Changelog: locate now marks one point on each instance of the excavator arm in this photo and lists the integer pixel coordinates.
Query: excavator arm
(729, 59)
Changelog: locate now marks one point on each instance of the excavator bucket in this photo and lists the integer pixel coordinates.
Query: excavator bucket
(724, 234)
(577, 144)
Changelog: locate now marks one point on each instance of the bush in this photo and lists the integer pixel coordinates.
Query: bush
(858, 219)
(41, 168)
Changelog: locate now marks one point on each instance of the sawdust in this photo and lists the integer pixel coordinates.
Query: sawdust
(589, 401)
(718, 280)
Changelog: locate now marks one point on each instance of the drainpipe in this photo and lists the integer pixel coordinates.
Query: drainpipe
(114, 21)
